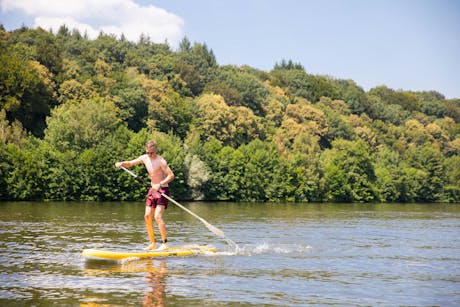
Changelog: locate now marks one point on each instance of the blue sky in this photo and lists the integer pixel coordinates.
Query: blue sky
(404, 44)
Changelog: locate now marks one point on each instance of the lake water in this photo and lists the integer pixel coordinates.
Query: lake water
(288, 254)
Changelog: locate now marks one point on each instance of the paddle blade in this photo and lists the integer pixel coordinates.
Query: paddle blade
(219, 233)
(214, 229)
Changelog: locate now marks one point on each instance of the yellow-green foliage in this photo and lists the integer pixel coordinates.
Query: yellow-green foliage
(71, 107)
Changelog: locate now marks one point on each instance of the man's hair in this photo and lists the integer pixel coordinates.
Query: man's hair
(152, 145)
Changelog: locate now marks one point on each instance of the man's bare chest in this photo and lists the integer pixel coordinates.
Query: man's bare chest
(153, 165)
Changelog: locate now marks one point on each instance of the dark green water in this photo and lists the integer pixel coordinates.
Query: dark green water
(288, 254)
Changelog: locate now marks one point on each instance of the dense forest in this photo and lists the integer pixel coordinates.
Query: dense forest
(71, 107)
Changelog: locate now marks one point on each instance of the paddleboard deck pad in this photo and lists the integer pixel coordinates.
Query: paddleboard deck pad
(177, 251)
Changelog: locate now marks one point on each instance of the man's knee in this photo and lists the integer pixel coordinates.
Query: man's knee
(159, 215)
(159, 219)
(148, 217)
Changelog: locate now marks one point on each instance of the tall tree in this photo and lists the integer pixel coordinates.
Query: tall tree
(69, 127)
(26, 92)
(349, 172)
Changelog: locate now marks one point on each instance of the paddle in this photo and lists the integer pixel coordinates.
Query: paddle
(212, 228)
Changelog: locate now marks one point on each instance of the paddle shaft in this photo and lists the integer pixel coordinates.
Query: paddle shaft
(212, 228)
(182, 207)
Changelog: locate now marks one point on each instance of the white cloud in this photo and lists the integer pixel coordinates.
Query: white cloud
(110, 16)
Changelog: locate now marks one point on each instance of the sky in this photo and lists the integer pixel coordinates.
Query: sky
(410, 45)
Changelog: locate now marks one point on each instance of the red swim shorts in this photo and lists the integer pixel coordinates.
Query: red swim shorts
(154, 198)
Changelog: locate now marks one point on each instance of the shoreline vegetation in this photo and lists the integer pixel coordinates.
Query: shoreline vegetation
(70, 107)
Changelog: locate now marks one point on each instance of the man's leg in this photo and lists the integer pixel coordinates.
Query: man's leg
(149, 226)
(159, 210)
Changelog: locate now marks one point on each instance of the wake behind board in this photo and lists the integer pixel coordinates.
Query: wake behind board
(178, 251)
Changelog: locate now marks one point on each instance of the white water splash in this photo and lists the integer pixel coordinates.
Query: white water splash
(264, 248)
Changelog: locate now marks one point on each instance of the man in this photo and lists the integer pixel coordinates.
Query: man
(160, 175)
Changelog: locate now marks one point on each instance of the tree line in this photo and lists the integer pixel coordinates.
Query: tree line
(71, 107)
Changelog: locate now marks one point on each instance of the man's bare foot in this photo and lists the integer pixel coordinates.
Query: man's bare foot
(151, 247)
(163, 247)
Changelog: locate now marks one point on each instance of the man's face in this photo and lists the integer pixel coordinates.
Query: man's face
(150, 150)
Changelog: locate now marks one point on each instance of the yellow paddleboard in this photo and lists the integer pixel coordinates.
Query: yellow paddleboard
(185, 250)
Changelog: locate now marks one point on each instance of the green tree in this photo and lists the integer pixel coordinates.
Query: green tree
(47, 52)
(213, 154)
(452, 187)
(408, 101)
(171, 113)
(216, 119)
(431, 103)
(349, 173)
(312, 118)
(300, 84)
(393, 113)
(26, 92)
(21, 171)
(337, 123)
(139, 56)
(11, 133)
(195, 66)
(231, 125)
(132, 100)
(300, 173)
(288, 65)
(251, 90)
(353, 95)
(231, 95)
(257, 163)
(74, 90)
(388, 174)
(81, 125)
(163, 66)
(185, 45)
(430, 161)
(453, 110)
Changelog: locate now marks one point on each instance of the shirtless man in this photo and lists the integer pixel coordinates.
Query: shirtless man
(155, 204)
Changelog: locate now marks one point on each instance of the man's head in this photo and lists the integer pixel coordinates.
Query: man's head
(151, 147)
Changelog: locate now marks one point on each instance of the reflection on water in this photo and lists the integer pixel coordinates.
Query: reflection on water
(286, 254)
(156, 295)
(155, 272)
